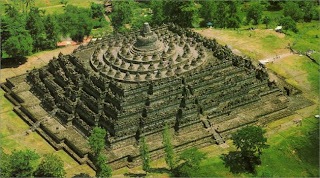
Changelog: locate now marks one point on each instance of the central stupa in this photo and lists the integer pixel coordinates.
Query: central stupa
(150, 56)
(147, 43)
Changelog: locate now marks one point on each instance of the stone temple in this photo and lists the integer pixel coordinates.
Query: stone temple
(133, 84)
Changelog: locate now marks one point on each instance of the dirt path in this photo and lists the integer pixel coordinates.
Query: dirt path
(108, 20)
(35, 61)
(48, 7)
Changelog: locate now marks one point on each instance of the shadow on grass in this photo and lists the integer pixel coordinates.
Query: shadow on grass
(12, 62)
(160, 170)
(134, 175)
(237, 163)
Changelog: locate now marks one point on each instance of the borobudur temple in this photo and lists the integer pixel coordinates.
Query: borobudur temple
(133, 84)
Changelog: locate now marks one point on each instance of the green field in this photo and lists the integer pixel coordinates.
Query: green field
(51, 6)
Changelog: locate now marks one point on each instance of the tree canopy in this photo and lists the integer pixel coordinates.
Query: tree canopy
(168, 148)
(122, 13)
(20, 163)
(254, 13)
(288, 24)
(144, 152)
(103, 170)
(97, 141)
(51, 166)
(36, 28)
(76, 22)
(250, 139)
(16, 41)
(191, 159)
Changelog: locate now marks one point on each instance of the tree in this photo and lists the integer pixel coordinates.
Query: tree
(20, 163)
(183, 13)
(76, 22)
(36, 28)
(207, 12)
(267, 20)
(157, 12)
(97, 10)
(103, 170)
(97, 141)
(250, 139)
(144, 151)
(191, 159)
(4, 166)
(168, 148)
(292, 10)
(50, 166)
(254, 12)
(221, 13)
(52, 30)
(233, 19)
(288, 24)
(122, 13)
(15, 39)
(308, 8)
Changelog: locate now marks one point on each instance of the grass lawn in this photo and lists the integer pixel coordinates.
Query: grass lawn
(307, 38)
(300, 71)
(257, 44)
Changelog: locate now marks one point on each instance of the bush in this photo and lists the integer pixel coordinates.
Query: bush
(289, 24)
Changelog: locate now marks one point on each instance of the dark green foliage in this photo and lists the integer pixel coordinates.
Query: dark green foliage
(222, 14)
(20, 163)
(207, 12)
(76, 22)
(254, 13)
(4, 158)
(50, 166)
(240, 163)
(233, 18)
(97, 10)
(168, 148)
(274, 5)
(288, 24)
(183, 13)
(81, 175)
(292, 10)
(250, 139)
(310, 10)
(64, 2)
(122, 13)
(97, 141)
(36, 28)
(191, 159)
(145, 157)
(15, 39)
(157, 10)
(52, 30)
(103, 170)
(267, 20)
